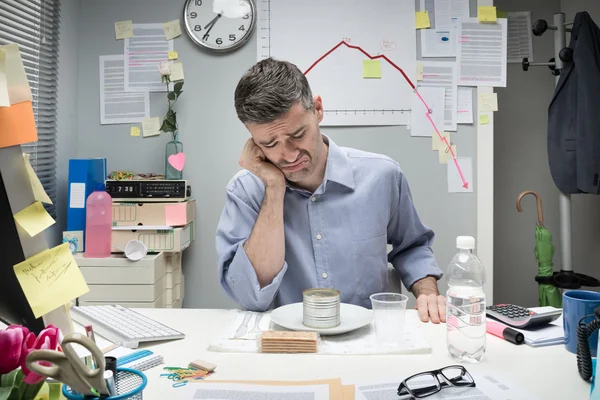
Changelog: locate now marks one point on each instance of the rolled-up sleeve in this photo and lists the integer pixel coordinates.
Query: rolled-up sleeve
(237, 275)
(411, 240)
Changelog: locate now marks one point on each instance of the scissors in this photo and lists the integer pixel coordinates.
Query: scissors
(69, 369)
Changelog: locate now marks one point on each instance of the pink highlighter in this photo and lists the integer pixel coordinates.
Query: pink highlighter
(504, 332)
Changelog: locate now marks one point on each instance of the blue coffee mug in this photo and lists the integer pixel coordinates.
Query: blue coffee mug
(576, 305)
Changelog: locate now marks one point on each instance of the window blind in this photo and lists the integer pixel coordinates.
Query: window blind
(34, 26)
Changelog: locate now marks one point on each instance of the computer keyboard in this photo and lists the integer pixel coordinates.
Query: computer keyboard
(123, 326)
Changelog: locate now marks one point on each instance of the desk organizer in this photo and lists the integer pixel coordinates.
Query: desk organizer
(130, 385)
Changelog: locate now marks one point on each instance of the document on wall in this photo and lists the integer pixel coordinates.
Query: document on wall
(464, 105)
(520, 43)
(481, 53)
(440, 39)
(443, 74)
(240, 391)
(117, 106)
(143, 53)
(420, 117)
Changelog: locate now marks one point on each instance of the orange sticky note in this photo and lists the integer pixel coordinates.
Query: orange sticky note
(17, 125)
(176, 214)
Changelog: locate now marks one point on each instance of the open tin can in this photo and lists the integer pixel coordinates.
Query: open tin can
(321, 308)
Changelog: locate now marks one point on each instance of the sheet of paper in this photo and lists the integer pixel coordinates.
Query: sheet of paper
(176, 214)
(520, 43)
(77, 197)
(464, 106)
(443, 74)
(484, 119)
(17, 124)
(440, 39)
(123, 29)
(240, 391)
(34, 219)
(371, 69)
(143, 53)
(17, 84)
(172, 29)
(437, 143)
(457, 175)
(447, 11)
(176, 71)
(487, 14)
(348, 391)
(488, 102)
(38, 190)
(422, 20)
(134, 131)
(446, 154)
(117, 106)
(481, 53)
(150, 126)
(50, 279)
(420, 118)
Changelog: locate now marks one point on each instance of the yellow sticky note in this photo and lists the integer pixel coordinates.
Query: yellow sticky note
(135, 131)
(437, 143)
(484, 119)
(34, 219)
(371, 69)
(38, 190)
(123, 29)
(487, 14)
(172, 29)
(501, 14)
(150, 126)
(488, 102)
(50, 279)
(176, 71)
(422, 20)
(444, 154)
(173, 55)
(419, 71)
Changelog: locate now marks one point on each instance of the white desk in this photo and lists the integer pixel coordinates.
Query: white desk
(548, 372)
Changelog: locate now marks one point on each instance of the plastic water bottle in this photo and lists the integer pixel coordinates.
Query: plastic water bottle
(98, 223)
(465, 304)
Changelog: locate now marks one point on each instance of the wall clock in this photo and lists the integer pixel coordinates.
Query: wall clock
(220, 25)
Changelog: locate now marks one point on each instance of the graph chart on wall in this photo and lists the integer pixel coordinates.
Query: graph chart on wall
(330, 41)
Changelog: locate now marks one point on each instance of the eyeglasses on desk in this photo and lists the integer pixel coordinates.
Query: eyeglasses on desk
(427, 383)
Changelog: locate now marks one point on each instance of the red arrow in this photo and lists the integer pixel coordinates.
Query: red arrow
(443, 139)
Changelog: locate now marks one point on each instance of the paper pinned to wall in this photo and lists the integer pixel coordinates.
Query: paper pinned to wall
(446, 153)
(440, 39)
(176, 71)
(143, 53)
(443, 74)
(38, 190)
(437, 142)
(34, 219)
(371, 69)
(455, 181)
(464, 113)
(477, 67)
(488, 102)
(123, 29)
(117, 106)
(172, 29)
(520, 40)
(150, 126)
(420, 124)
(50, 279)
(134, 131)
(422, 20)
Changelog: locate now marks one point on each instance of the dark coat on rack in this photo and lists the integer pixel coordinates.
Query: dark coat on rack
(574, 114)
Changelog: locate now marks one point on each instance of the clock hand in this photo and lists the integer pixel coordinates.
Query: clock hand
(212, 22)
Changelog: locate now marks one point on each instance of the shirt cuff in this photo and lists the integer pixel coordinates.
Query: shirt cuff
(243, 282)
(415, 265)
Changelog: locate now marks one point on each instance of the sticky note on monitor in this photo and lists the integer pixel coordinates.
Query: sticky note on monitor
(123, 29)
(487, 14)
(172, 29)
(38, 190)
(34, 219)
(422, 20)
(371, 69)
(50, 279)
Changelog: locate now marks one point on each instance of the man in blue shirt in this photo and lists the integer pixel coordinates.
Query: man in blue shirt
(306, 213)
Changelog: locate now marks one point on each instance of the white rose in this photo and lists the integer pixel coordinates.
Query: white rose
(164, 68)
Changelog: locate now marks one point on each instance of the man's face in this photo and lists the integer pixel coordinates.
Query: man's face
(293, 143)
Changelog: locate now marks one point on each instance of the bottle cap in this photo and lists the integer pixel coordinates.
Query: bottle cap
(465, 242)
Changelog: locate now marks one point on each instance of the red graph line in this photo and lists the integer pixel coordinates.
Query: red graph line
(442, 138)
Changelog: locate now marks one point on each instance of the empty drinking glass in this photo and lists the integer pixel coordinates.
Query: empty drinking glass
(388, 313)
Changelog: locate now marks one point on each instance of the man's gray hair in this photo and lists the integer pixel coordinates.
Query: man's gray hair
(269, 89)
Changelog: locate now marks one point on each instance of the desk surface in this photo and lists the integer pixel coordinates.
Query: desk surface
(548, 372)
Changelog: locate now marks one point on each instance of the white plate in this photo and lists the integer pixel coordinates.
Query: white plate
(351, 317)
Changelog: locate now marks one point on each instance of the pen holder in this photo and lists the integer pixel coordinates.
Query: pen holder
(130, 384)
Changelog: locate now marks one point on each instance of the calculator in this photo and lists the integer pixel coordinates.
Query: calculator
(521, 317)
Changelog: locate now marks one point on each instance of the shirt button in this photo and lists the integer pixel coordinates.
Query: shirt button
(313, 198)
(319, 236)
(324, 275)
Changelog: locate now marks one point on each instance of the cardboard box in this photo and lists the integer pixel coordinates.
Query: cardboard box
(157, 240)
(119, 270)
(154, 214)
(158, 303)
(129, 292)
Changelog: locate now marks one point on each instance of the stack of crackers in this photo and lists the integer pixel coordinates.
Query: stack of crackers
(288, 342)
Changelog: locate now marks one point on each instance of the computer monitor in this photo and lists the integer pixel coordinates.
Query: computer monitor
(14, 308)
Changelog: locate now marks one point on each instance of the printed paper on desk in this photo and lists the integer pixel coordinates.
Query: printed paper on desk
(50, 279)
(38, 190)
(336, 389)
(34, 219)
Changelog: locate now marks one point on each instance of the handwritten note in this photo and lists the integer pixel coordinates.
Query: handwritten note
(38, 190)
(34, 219)
(173, 55)
(444, 153)
(371, 69)
(437, 143)
(177, 71)
(134, 131)
(172, 29)
(123, 29)
(50, 279)
(487, 14)
(150, 126)
(176, 214)
(422, 20)
(488, 102)
(484, 119)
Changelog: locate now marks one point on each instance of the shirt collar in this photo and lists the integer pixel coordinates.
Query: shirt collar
(338, 167)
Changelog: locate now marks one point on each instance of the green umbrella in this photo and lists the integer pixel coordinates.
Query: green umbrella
(548, 294)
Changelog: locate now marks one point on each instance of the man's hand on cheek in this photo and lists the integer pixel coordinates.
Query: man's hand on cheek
(432, 307)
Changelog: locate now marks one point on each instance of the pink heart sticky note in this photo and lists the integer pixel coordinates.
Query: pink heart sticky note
(177, 161)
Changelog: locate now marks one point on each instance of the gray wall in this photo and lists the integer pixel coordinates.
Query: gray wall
(213, 139)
